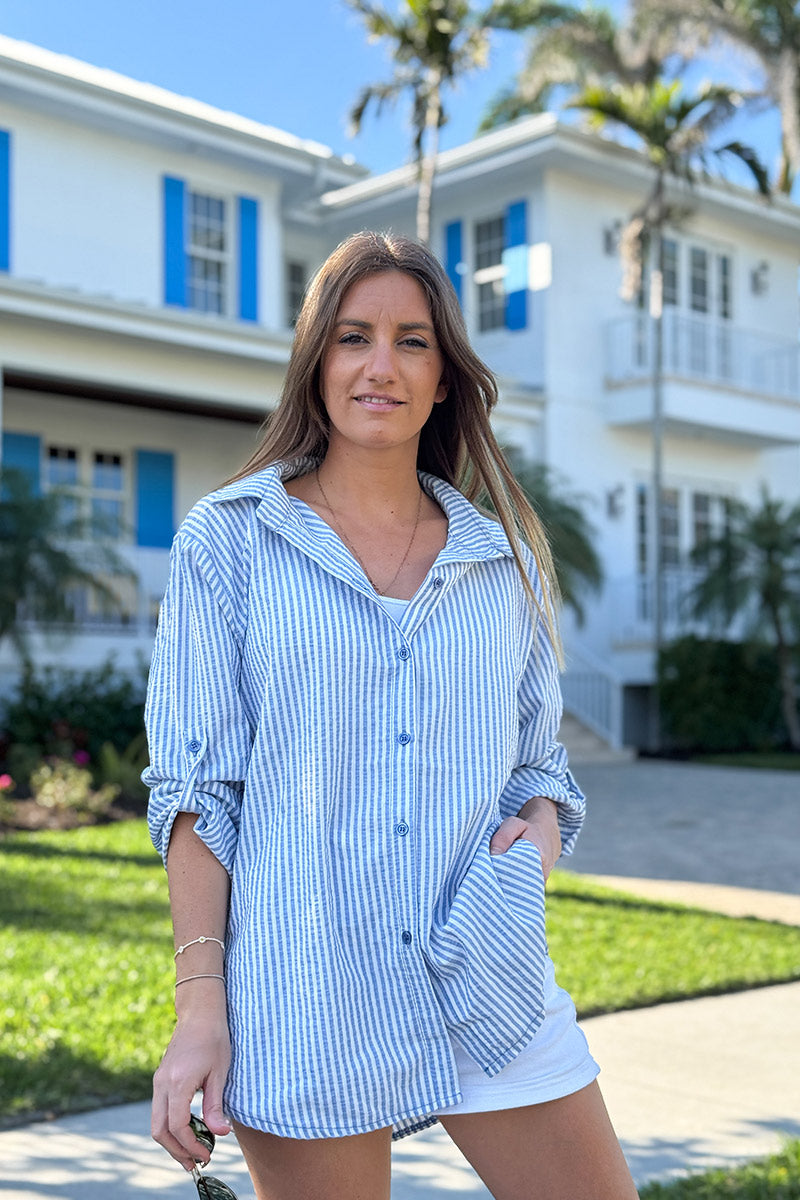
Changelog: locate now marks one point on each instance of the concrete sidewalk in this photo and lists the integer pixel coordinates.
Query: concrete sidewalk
(691, 1085)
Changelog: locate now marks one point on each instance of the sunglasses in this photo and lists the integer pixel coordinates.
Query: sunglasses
(208, 1188)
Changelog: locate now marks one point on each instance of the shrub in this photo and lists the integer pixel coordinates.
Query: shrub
(719, 696)
(71, 715)
(64, 786)
(123, 768)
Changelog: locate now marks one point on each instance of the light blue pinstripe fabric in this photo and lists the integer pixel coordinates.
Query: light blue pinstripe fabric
(348, 770)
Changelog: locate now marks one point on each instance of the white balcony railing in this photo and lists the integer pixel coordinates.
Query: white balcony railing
(633, 608)
(138, 595)
(702, 350)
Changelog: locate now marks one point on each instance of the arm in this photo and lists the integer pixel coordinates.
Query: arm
(198, 1055)
(541, 801)
(200, 742)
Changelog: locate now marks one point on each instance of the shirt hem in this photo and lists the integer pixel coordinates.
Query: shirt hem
(401, 1124)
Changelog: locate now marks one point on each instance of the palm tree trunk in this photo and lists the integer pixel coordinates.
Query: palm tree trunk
(657, 327)
(787, 85)
(787, 683)
(427, 167)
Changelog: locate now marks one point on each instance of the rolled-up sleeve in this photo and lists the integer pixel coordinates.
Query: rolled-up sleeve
(198, 735)
(541, 765)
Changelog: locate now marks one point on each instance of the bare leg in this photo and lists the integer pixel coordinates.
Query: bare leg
(561, 1150)
(346, 1168)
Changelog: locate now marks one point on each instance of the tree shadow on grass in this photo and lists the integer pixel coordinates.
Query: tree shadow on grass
(59, 1081)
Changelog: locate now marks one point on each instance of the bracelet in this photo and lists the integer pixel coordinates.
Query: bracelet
(189, 978)
(199, 942)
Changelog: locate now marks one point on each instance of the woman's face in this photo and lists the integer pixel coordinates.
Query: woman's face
(382, 368)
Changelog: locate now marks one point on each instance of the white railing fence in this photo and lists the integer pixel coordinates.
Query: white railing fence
(593, 694)
(704, 350)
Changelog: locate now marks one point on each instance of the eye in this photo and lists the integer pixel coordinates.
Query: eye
(353, 338)
(416, 342)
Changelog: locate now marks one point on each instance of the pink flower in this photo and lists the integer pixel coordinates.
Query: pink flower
(81, 758)
(6, 782)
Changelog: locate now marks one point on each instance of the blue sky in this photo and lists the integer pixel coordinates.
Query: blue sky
(296, 65)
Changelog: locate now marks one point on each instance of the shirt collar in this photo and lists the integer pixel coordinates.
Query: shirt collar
(471, 536)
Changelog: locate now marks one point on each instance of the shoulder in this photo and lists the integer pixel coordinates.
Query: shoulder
(227, 513)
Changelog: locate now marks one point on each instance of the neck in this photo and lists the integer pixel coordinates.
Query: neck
(363, 481)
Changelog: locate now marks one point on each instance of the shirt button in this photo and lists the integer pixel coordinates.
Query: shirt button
(406, 937)
(404, 738)
(401, 828)
(194, 746)
(404, 653)
(438, 581)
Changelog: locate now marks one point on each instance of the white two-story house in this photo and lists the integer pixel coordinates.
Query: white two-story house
(154, 251)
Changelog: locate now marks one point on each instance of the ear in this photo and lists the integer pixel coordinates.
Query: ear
(441, 392)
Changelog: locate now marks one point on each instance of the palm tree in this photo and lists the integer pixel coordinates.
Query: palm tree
(571, 536)
(767, 29)
(434, 43)
(44, 556)
(572, 47)
(751, 570)
(614, 73)
(674, 132)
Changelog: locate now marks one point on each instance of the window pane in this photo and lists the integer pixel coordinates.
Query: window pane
(107, 513)
(698, 261)
(724, 286)
(62, 466)
(107, 472)
(670, 271)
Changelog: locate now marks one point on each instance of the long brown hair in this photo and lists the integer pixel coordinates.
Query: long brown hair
(456, 443)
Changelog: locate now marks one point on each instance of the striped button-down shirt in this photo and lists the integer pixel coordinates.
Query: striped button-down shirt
(348, 770)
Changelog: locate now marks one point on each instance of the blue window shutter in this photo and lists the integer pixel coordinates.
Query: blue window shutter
(5, 200)
(155, 498)
(452, 251)
(248, 259)
(174, 241)
(515, 261)
(23, 452)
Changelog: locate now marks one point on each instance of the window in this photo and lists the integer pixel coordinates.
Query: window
(207, 254)
(92, 486)
(62, 473)
(107, 500)
(296, 276)
(698, 279)
(708, 516)
(671, 293)
(489, 273)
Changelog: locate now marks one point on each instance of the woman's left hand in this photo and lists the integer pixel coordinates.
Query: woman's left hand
(537, 822)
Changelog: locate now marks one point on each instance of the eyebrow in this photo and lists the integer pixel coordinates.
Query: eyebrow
(405, 326)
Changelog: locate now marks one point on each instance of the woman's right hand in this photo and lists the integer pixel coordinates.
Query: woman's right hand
(196, 1059)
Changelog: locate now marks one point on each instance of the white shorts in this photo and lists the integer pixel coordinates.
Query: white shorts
(555, 1063)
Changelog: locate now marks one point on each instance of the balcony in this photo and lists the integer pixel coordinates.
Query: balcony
(718, 379)
(631, 603)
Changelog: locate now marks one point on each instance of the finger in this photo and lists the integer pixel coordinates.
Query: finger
(213, 1113)
(506, 834)
(160, 1123)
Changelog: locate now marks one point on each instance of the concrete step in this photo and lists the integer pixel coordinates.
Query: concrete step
(584, 745)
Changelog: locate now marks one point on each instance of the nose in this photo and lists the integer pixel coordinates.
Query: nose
(382, 366)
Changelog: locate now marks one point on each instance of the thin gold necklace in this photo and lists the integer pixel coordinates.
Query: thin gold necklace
(381, 591)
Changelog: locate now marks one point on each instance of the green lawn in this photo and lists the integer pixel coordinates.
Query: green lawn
(86, 973)
(773, 1178)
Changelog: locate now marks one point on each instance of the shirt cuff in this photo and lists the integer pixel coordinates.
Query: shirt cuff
(216, 825)
(527, 782)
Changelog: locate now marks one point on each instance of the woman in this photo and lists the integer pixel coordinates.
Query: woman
(355, 781)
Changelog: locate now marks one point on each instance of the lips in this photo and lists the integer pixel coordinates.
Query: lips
(378, 403)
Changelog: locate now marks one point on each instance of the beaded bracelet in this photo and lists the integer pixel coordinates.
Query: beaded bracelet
(189, 978)
(199, 942)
